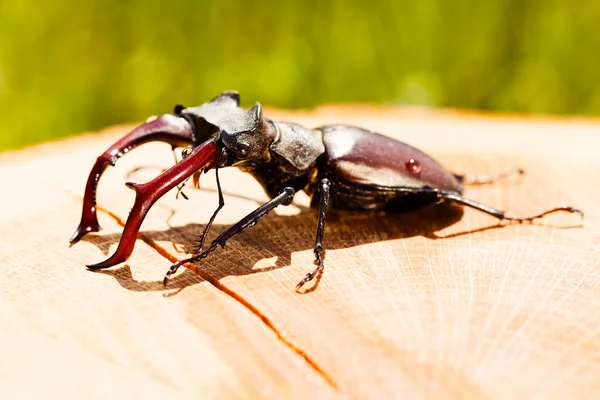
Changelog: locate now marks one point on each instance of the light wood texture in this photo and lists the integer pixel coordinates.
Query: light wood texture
(442, 303)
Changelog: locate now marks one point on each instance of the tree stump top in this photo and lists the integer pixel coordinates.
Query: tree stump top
(439, 303)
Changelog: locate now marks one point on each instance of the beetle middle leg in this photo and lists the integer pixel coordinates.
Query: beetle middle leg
(285, 197)
(489, 179)
(318, 249)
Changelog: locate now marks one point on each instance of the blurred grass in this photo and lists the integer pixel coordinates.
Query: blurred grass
(68, 67)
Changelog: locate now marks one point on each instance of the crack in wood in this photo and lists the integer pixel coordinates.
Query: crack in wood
(240, 299)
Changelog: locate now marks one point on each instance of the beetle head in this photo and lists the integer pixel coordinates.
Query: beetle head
(242, 132)
(250, 145)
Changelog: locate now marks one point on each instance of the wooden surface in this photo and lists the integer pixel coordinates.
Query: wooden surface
(442, 303)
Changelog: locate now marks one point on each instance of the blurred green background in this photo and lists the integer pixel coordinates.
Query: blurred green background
(68, 67)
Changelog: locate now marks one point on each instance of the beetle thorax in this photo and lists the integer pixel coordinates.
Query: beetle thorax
(293, 159)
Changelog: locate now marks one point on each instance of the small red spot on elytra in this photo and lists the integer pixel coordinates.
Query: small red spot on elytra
(413, 166)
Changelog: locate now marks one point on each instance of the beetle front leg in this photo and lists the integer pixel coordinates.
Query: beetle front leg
(200, 245)
(171, 129)
(284, 198)
(324, 187)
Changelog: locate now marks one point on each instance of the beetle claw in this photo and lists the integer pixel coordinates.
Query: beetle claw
(172, 270)
(311, 275)
(307, 278)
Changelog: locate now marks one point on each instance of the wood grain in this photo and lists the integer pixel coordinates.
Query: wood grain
(442, 303)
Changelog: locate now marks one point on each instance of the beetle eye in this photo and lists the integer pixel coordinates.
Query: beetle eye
(242, 151)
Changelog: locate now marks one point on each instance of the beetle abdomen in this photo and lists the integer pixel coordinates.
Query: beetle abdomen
(369, 159)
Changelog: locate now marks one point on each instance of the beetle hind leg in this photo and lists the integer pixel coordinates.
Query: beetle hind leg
(571, 210)
(324, 187)
(319, 262)
(500, 214)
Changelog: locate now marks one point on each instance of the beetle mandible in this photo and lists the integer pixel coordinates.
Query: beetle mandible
(342, 167)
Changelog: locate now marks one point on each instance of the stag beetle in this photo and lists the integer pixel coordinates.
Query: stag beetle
(342, 167)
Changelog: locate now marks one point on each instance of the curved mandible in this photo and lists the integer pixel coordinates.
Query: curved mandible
(147, 194)
(167, 128)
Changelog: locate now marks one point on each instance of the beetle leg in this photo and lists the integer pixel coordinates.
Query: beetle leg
(168, 128)
(500, 214)
(318, 249)
(490, 179)
(184, 153)
(284, 198)
(457, 198)
(200, 245)
(148, 193)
